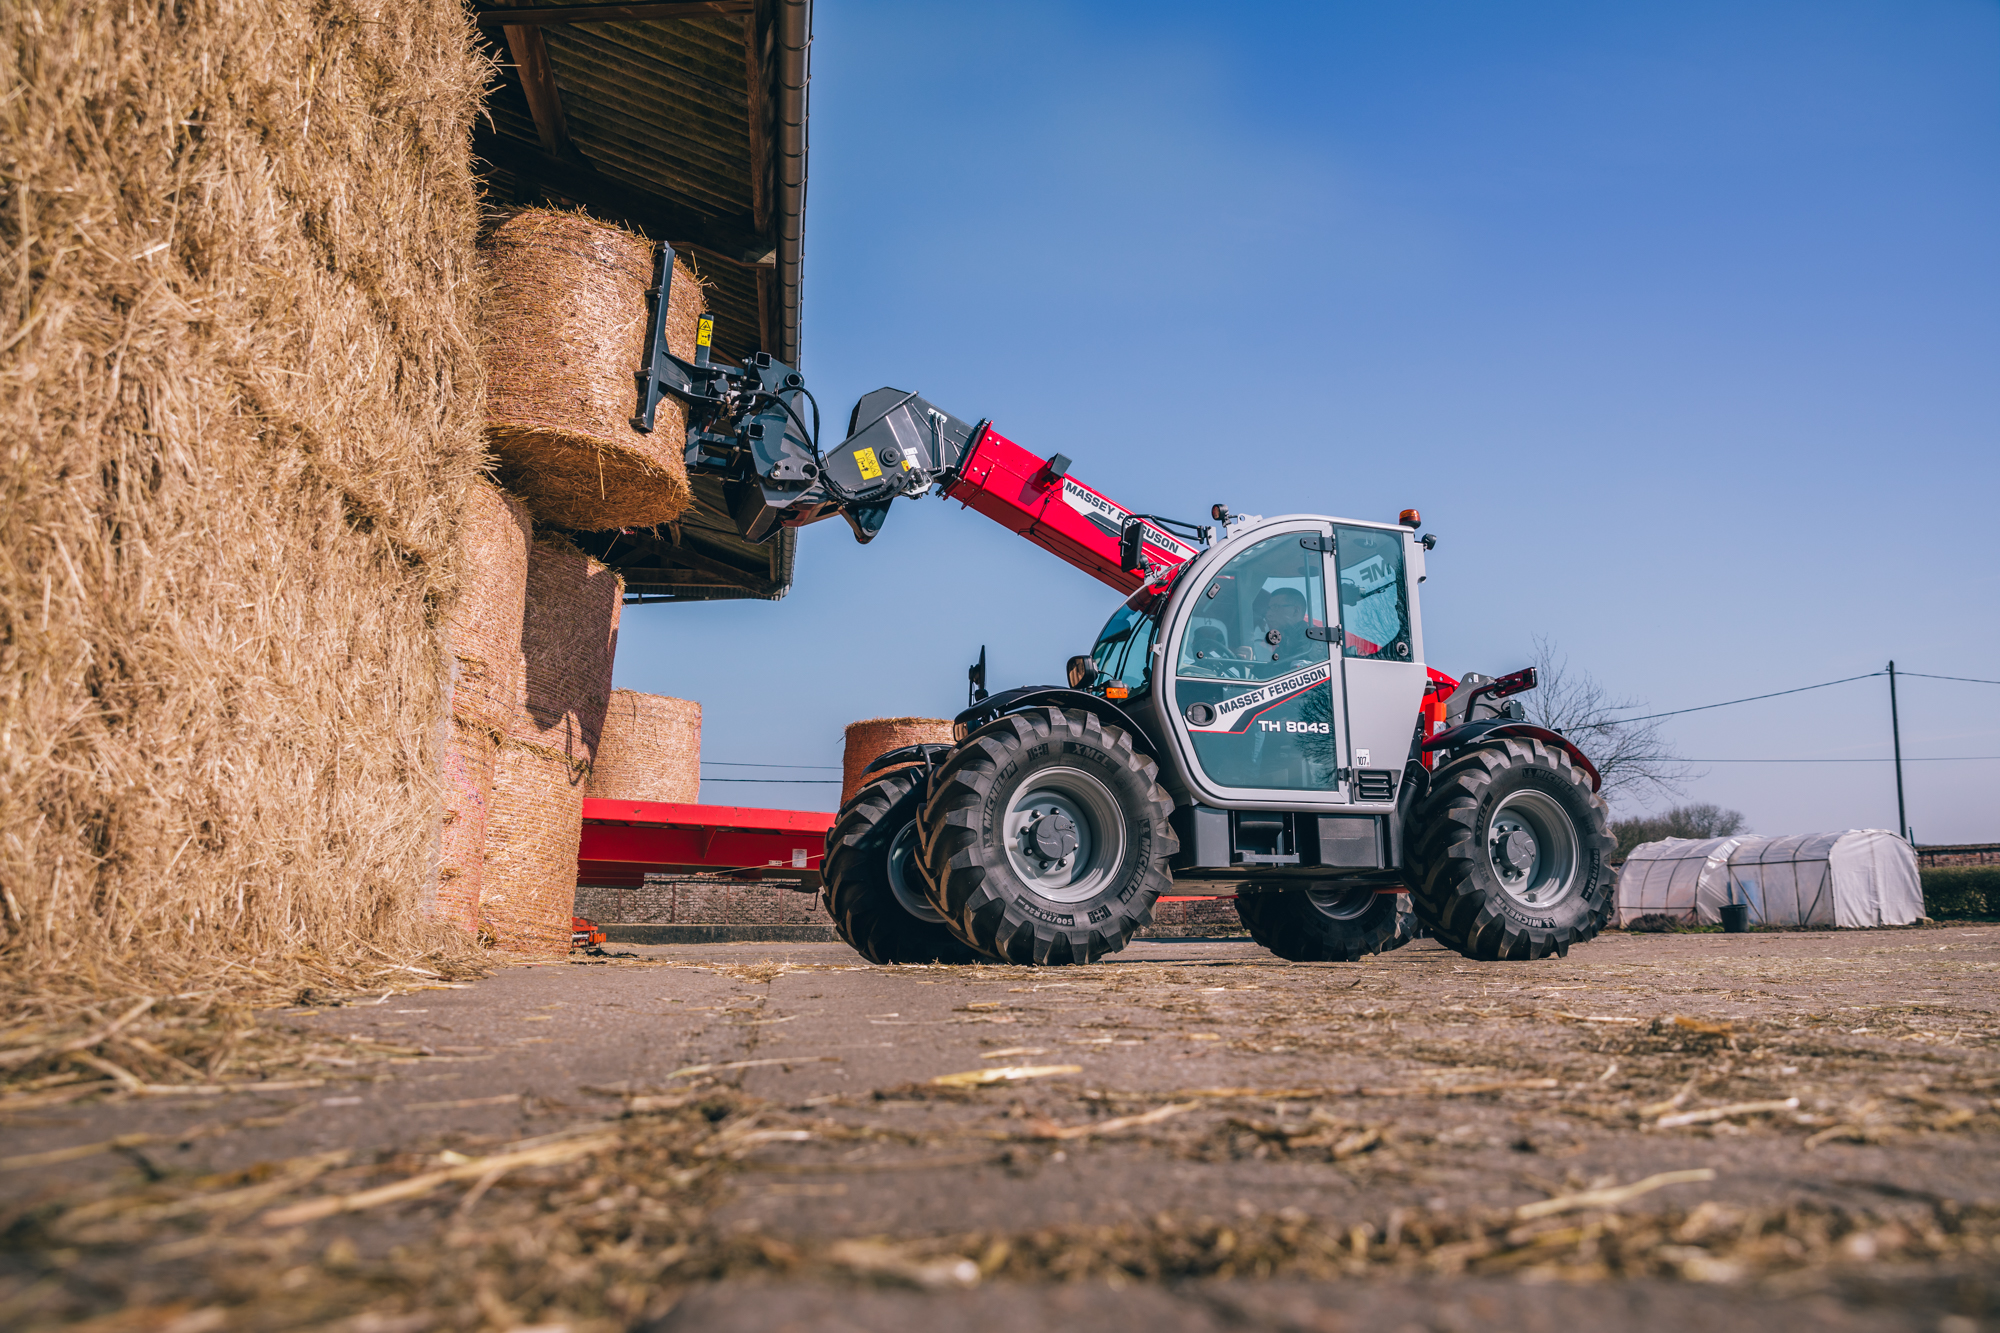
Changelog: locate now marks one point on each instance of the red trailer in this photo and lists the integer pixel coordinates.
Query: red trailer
(624, 841)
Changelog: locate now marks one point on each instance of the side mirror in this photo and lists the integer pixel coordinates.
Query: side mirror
(1082, 673)
(1129, 557)
(975, 680)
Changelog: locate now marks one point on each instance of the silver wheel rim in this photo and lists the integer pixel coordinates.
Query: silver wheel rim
(1094, 818)
(906, 881)
(1541, 871)
(1343, 904)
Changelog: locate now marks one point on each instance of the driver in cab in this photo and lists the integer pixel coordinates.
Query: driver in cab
(1285, 626)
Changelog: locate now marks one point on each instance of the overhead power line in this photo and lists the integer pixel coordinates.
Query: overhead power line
(1886, 759)
(796, 782)
(1648, 717)
(1754, 698)
(731, 763)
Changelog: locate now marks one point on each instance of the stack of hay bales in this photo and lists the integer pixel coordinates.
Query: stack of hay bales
(483, 634)
(651, 750)
(876, 736)
(565, 327)
(240, 398)
(566, 322)
(569, 636)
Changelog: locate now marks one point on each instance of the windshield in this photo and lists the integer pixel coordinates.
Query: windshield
(1256, 620)
(1125, 648)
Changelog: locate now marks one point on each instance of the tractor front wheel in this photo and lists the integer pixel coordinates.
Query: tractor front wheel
(1325, 923)
(874, 888)
(1046, 836)
(1510, 853)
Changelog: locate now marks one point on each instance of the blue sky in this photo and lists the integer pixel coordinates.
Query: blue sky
(1680, 323)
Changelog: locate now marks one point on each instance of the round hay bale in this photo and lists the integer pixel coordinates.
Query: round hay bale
(569, 635)
(483, 627)
(533, 824)
(650, 750)
(483, 640)
(879, 735)
(566, 328)
(467, 763)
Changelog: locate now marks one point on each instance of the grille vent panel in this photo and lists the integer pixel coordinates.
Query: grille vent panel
(1374, 785)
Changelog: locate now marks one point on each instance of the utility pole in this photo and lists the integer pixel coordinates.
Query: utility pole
(1896, 733)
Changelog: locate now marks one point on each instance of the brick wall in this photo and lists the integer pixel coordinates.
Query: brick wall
(703, 900)
(1960, 854)
(1200, 916)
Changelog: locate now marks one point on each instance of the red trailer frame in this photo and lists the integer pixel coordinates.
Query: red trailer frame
(624, 841)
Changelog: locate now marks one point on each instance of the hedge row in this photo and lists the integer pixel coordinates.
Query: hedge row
(1961, 891)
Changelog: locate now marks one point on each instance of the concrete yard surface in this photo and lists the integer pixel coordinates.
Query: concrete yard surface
(1791, 1130)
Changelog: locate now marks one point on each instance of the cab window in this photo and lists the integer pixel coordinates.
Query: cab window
(1253, 619)
(1374, 601)
(1253, 675)
(1125, 648)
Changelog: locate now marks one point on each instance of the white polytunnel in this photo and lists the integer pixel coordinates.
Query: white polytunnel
(1855, 879)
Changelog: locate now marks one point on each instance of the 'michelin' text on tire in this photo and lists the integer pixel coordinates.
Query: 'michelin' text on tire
(1046, 838)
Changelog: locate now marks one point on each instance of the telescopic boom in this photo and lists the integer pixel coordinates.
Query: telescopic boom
(747, 424)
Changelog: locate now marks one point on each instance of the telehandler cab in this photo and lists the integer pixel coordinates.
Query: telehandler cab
(1256, 720)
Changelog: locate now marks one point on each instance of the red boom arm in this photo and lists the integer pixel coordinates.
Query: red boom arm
(1052, 509)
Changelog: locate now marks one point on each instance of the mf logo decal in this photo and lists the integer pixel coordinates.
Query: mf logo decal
(1371, 575)
(1235, 714)
(1112, 519)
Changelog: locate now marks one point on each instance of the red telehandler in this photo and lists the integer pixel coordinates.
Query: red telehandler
(1255, 720)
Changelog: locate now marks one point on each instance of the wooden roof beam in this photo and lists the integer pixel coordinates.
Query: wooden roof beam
(530, 52)
(518, 15)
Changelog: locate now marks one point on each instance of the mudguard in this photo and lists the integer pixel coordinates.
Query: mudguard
(1042, 696)
(927, 754)
(1494, 729)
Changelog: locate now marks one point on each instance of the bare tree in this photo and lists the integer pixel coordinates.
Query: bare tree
(1683, 821)
(1632, 757)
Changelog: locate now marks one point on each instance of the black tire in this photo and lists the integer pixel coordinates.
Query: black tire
(1474, 886)
(1002, 895)
(1332, 924)
(870, 856)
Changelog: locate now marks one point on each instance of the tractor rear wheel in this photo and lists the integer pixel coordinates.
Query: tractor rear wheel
(1509, 853)
(1046, 838)
(874, 888)
(1326, 923)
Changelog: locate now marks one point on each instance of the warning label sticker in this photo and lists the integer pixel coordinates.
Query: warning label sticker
(1236, 714)
(865, 460)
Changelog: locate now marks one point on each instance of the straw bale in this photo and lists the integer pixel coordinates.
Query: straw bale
(566, 327)
(483, 639)
(240, 405)
(877, 736)
(533, 825)
(569, 637)
(483, 626)
(470, 752)
(651, 749)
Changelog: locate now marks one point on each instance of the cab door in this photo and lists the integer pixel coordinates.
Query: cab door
(1254, 685)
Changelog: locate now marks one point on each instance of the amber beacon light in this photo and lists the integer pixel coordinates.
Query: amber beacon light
(1410, 518)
